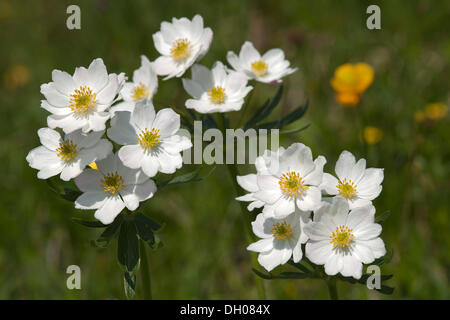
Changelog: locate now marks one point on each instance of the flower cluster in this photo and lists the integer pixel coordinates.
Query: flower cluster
(290, 186)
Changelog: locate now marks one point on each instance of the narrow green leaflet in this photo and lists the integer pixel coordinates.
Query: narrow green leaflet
(188, 177)
(147, 229)
(129, 283)
(88, 223)
(110, 231)
(265, 110)
(282, 275)
(128, 246)
(382, 217)
(70, 194)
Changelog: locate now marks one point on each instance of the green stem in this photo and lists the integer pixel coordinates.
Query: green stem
(332, 288)
(145, 272)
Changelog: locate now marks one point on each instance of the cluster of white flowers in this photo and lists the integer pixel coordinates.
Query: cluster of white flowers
(342, 234)
(82, 104)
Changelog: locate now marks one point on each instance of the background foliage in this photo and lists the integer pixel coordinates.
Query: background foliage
(204, 254)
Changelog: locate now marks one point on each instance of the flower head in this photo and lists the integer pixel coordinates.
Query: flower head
(285, 183)
(372, 135)
(149, 139)
(68, 156)
(435, 111)
(111, 188)
(270, 67)
(81, 101)
(143, 87)
(215, 90)
(343, 240)
(350, 81)
(281, 239)
(180, 44)
(358, 185)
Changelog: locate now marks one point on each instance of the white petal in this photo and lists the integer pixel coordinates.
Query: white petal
(71, 170)
(352, 267)
(368, 231)
(167, 121)
(334, 264)
(49, 138)
(98, 76)
(315, 177)
(318, 251)
(109, 92)
(248, 182)
(262, 245)
(121, 131)
(310, 199)
(160, 44)
(194, 88)
(68, 123)
(150, 165)
(318, 231)
(110, 210)
(344, 165)
(261, 227)
(53, 96)
(90, 200)
(329, 184)
(143, 116)
(63, 82)
(131, 155)
(89, 181)
(249, 54)
(165, 66)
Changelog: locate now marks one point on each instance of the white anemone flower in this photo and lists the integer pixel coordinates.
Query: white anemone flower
(215, 90)
(111, 188)
(355, 183)
(343, 240)
(143, 87)
(180, 44)
(81, 101)
(294, 181)
(68, 156)
(270, 67)
(149, 140)
(281, 239)
(249, 182)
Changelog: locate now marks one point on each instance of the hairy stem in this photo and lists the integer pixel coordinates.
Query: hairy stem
(145, 272)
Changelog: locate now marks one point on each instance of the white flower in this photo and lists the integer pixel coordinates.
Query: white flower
(281, 238)
(270, 67)
(143, 87)
(81, 101)
(342, 241)
(356, 183)
(215, 90)
(250, 182)
(111, 188)
(291, 182)
(149, 141)
(68, 156)
(180, 44)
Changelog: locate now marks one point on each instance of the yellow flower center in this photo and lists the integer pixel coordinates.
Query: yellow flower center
(181, 49)
(342, 237)
(217, 95)
(281, 231)
(347, 189)
(149, 139)
(83, 100)
(112, 183)
(259, 68)
(292, 184)
(140, 92)
(67, 150)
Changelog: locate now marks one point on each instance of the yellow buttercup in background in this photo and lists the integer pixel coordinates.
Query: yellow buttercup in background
(432, 111)
(372, 135)
(350, 81)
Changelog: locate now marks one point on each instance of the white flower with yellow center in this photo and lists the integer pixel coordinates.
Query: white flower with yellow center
(215, 90)
(111, 188)
(68, 156)
(149, 140)
(355, 183)
(281, 239)
(270, 67)
(180, 44)
(143, 87)
(343, 240)
(292, 182)
(81, 101)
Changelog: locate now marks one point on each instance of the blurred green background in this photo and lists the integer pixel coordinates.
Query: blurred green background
(204, 256)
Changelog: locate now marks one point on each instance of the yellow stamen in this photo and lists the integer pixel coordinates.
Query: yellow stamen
(67, 150)
(83, 100)
(93, 165)
(112, 183)
(217, 95)
(342, 237)
(347, 189)
(140, 92)
(149, 139)
(281, 231)
(181, 49)
(259, 68)
(292, 184)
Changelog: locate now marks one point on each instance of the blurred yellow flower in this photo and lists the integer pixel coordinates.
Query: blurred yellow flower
(16, 76)
(435, 111)
(93, 165)
(419, 116)
(350, 81)
(372, 135)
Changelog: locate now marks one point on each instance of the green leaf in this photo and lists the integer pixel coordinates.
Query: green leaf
(128, 246)
(385, 289)
(129, 283)
(146, 228)
(294, 115)
(110, 231)
(89, 223)
(283, 275)
(188, 177)
(385, 259)
(70, 194)
(300, 267)
(382, 217)
(265, 110)
(295, 130)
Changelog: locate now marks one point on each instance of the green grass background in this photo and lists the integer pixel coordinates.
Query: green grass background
(204, 256)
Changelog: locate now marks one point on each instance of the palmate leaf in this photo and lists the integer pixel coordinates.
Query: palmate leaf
(128, 246)
(147, 230)
(265, 110)
(110, 232)
(192, 176)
